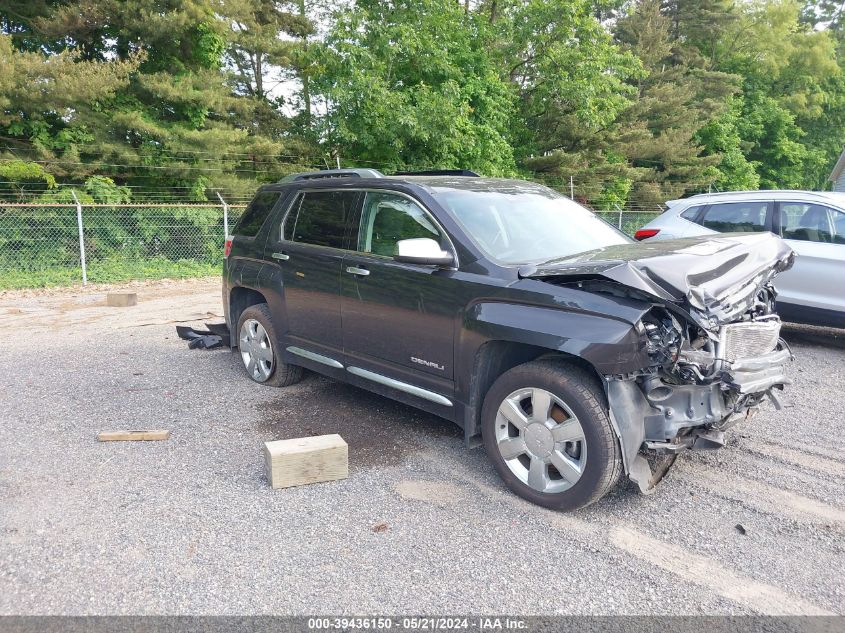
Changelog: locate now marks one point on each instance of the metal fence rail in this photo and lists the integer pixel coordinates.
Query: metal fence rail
(59, 244)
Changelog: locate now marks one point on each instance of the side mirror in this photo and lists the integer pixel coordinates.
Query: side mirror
(422, 250)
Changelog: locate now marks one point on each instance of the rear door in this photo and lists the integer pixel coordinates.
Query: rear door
(816, 233)
(309, 249)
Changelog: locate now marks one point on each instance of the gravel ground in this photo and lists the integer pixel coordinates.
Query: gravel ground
(190, 525)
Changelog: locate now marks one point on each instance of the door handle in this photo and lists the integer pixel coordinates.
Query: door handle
(354, 270)
(282, 256)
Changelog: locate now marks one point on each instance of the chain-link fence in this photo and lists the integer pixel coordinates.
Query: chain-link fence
(44, 244)
(54, 244)
(629, 220)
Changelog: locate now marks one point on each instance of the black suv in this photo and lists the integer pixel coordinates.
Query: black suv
(571, 351)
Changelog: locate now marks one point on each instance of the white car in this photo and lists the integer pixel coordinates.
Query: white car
(811, 222)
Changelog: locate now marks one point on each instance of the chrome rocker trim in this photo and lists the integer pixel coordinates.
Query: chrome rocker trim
(401, 386)
(325, 360)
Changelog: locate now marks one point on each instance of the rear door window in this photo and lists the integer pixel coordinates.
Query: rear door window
(256, 213)
(321, 217)
(736, 217)
(811, 223)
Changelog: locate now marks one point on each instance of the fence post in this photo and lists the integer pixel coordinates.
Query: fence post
(618, 208)
(225, 216)
(81, 238)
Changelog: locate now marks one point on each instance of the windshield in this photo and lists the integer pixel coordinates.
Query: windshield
(523, 225)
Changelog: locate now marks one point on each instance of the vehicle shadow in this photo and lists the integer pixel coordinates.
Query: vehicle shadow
(813, 335)
(378, 430)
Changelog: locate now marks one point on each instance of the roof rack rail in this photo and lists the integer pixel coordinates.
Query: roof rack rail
(333, 173)
(439, 172)
(754, 192)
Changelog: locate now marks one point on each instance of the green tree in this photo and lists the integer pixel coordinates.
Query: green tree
(265, 42)
(722, 137)
(411, 84)
(45, 99)
(571, 82)
(660, 133)
(170, 117)
(261, 44)
(792, 123)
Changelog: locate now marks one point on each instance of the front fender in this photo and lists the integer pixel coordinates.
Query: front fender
(611, 345)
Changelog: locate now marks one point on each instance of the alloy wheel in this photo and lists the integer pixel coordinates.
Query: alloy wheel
(541, 440)
(256, 350)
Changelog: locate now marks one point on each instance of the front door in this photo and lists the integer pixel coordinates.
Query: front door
(310, 254)
(817, 235)
(398, 318)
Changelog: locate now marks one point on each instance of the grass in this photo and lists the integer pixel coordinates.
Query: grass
(107, 271)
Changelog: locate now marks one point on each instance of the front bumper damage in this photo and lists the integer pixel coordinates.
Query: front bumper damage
(654, 416)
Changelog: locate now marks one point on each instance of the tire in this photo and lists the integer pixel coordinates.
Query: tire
(257, 342)
(566, 458)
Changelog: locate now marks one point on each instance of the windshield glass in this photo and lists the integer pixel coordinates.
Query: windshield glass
(528, 224)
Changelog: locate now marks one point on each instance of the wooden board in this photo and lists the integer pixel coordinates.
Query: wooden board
(306, 460)
(121, 299)
(145, 435)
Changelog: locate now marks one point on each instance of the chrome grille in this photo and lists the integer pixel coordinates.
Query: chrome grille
(749, 339)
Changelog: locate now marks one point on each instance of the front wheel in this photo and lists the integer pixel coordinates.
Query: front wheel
(258, 349)
(546, 429)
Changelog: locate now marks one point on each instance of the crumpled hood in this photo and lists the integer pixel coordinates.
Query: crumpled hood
(714, 275)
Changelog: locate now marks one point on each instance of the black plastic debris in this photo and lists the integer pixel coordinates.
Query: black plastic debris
(217, 335)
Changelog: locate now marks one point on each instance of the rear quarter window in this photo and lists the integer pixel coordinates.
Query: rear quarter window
(256, 213)
(692, 213)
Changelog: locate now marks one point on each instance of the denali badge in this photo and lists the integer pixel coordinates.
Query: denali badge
(427, 363)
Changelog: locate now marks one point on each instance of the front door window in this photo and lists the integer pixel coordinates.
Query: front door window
(811, 223)
(388, 218)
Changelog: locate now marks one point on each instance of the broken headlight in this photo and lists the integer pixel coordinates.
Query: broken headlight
(663, 336)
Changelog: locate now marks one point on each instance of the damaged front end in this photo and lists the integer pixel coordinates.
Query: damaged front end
(700, 384)
(712, 339)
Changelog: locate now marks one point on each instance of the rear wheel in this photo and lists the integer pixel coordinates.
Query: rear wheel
(258, 349)
(546, 429)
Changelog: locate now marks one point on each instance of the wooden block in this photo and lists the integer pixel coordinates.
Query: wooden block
(121, 436)
(306, 460)
(121, 299)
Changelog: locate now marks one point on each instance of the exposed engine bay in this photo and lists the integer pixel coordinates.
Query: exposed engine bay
(712, 339)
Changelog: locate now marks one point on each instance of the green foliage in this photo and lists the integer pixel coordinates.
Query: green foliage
(411, 84)
(721, 137)
(104, 191)
(141, 91)
(638, 102)
(108, 271)
(22, 176)
(564, 63)
(40, 242)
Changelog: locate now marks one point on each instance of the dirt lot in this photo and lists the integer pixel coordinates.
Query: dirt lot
(190, 525)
